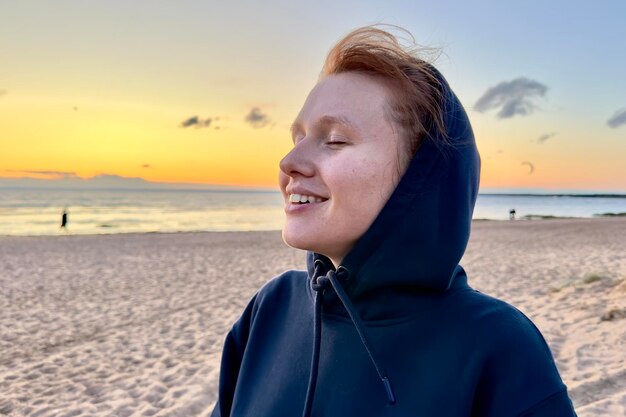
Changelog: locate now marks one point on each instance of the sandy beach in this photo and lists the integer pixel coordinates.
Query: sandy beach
(133, 325)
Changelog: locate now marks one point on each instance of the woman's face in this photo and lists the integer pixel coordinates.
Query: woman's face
(343, 167)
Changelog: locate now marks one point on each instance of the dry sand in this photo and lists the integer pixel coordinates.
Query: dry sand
(133, 325)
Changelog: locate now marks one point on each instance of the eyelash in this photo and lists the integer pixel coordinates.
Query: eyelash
(334, 140)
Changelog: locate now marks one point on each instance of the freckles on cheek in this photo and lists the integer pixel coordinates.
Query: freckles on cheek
(372, 171)
(362, 173)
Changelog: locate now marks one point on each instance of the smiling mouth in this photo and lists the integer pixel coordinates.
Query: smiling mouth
(305, 199)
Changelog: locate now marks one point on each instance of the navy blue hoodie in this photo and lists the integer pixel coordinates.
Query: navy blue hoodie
(395, 330)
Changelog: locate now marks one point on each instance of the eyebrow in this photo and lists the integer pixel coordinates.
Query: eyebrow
(325, 122)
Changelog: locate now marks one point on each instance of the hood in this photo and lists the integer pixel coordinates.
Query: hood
(420, 235)
(413, 247)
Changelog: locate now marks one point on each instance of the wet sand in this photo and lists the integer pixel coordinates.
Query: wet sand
(133, 325)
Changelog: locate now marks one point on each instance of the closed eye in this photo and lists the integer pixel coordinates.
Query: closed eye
(337, 140)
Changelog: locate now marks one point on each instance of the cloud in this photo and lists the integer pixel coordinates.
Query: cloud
(196, 121)
(57, 174)
(545, 137)
(618, 119)
(3, 92)
(256, 118)
(511, 97)
(113, 177)
(530, 165)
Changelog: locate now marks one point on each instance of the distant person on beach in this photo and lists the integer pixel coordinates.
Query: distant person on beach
(64, 219)
(512, 214)
(379, 189)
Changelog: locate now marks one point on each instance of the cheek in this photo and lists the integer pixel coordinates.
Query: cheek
(359, 189)
(375, 186)
(376, 176)
(362, 185)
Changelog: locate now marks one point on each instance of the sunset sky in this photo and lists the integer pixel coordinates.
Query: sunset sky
(205, 91)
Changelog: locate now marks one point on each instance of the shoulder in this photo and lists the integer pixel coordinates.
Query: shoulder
(288, 281)
(517, 367)
(500, 323)
(281, 289)
(276, 293)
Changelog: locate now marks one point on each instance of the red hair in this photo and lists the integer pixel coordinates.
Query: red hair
(418, 102)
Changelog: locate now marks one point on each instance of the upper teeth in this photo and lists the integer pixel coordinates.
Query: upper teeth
(300, 198)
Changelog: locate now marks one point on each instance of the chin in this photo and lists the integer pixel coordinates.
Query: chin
(304, 241)
(296, 240)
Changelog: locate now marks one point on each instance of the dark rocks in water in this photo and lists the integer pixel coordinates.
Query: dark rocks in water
(543, 217)
(622, 214)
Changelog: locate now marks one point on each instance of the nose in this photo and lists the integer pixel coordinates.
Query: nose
(298, 161)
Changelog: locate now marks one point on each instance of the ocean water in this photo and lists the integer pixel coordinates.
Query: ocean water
(38, 211)
(25, 212)
(497, 206)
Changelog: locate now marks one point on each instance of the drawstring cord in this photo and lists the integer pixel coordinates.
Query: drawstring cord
(319, 283)
(358, 324)
(317, 332)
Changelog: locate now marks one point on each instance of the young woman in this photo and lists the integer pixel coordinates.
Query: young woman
(379, 188)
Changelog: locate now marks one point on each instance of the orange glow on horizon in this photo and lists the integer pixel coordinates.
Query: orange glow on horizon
(135, 141)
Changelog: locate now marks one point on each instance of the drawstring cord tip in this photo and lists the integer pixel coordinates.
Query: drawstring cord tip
(390, 396)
